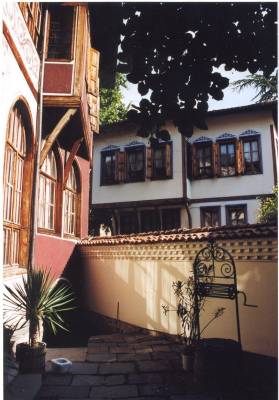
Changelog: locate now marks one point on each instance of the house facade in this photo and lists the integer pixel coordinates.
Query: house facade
(50, 112)
(212, 179)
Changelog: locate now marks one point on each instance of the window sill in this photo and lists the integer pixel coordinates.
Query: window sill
(161, 178)
(48, 232)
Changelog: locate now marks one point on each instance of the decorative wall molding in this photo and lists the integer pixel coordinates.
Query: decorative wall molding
(226, 136)
(241, 250)
(16, 28)
(249, 132)
(202, 139)
(134, 143)
(111, 147)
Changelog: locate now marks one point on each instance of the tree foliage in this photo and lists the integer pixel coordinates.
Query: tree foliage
(112, 107)
(268, 211)
(171, 51)
(266, 86)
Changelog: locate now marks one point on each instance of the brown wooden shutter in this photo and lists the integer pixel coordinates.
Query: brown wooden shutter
(189, 160)
(93, 88)
(120, 166)
(148, 162)
(239, 157)
(194, 161)
(168, 156)
(216, 159)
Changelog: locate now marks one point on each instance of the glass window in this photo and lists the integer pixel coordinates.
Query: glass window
(236, 214)
(135, 164)
(108, 167)
(60, 32)
(15, 154)
(71, 204)
(170, 219)
(251, 153)
(204, 161)
(227, 159)
(47, 192)
(210, 216)
(128, 222)
(161, 161)
(149, 220)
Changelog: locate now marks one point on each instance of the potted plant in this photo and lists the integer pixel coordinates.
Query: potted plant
(188, 308)
(34, 301)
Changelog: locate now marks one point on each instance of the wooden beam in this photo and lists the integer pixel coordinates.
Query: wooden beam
(70, 160)
(54, 134)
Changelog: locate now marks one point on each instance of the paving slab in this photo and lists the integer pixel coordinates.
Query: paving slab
(120, 391)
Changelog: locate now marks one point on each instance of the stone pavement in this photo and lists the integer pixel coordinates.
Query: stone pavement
(136, 367)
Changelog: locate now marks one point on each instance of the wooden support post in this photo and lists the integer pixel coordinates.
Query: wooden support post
(54, 134)
(70, 160)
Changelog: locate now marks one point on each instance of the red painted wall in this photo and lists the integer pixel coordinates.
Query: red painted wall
(52, 253)
(58, 78)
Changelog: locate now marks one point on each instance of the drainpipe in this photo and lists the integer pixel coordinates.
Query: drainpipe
(34, 199)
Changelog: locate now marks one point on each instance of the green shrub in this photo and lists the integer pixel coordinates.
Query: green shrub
(268, 211)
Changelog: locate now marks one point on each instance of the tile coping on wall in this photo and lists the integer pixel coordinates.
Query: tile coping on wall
(245, 243)
(245, 232)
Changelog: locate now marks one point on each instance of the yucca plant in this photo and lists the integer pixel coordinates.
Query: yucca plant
(36, 299)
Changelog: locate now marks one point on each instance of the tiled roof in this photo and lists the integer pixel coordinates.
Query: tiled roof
(187, 235)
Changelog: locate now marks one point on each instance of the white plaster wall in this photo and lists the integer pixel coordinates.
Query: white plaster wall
(136, 191)
(252, 207)
(259, 121)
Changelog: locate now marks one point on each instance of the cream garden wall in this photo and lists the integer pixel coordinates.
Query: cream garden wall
(138, 279)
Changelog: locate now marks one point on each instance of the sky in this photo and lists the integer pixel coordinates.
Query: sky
(232, 98)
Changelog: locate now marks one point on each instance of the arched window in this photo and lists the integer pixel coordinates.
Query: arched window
(15, 155)
(71, 204)
(47, 193)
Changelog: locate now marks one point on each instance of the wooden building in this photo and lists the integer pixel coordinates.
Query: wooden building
(51, 106)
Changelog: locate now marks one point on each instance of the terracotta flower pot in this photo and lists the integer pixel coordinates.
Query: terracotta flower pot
(31, 359)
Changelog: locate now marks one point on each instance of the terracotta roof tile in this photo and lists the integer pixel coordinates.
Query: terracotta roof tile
(186, 235)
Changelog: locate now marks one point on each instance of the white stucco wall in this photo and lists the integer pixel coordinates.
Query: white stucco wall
(235, 124)
(136, 191)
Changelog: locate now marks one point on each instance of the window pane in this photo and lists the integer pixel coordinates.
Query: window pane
(171, 219)
(135, 167)
(60, 32)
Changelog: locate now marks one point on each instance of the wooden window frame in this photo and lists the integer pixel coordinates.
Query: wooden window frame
(57, 216)
(229, 207)
(103, 180)
(27, 183)
(249, 139)
(132, 149)
(165, 175)
(77, 196)
(227, 142)
(216, 209)
(71, 57)
(195, 168)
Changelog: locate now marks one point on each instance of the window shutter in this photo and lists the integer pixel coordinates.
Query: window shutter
(239, 157)
(194, 161)
(216, 159)
(168, 161)
(93, 88)
(120, 166)
(148, 162)
(189, 160)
